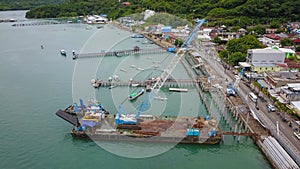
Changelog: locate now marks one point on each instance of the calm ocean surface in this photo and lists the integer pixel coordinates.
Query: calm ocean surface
(36, 82)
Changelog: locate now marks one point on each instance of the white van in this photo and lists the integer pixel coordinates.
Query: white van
(253, 97)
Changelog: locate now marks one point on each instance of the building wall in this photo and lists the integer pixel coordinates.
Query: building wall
(260, 69)
(265, 56)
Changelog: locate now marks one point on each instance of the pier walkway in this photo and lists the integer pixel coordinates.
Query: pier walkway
(168, 83)
(120, 53)
(42, 23)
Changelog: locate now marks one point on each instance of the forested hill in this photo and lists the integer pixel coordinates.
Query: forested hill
(228, 11)
(25, 4)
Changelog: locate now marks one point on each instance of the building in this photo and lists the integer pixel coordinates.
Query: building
(296, 106)
(262, 60)
(290, 92)
(282, 78)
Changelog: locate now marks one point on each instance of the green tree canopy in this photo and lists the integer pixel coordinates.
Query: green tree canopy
(236, 57)
(217, 40)
(243, 44)
(223, 54)
(286, 42)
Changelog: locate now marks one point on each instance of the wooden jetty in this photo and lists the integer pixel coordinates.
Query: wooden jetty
(172, 83)
(41, 23)
(120, 53)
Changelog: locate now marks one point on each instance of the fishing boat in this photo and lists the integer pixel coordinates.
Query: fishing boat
(94, 122)
(96, 83)
(63, 52)
(135, 84)
(135, 95)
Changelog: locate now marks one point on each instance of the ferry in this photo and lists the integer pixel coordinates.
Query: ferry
(94, 122)
(133, 96)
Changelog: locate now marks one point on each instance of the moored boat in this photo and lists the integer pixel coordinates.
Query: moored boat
(63, 52)
(135, 95)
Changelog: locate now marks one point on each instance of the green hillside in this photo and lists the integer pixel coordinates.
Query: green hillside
(25, 4)
(229, 12)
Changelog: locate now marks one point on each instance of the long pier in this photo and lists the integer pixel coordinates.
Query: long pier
(119, 53)
(168, 83)
(42, 23)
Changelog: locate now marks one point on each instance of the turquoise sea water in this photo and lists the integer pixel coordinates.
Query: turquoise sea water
(35, 83)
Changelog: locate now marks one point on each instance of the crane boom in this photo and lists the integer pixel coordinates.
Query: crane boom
(164, 76)
(170, 68)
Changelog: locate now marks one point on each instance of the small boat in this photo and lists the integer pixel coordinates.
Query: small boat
(132, 66)
(96, 83)
(63, 52)
(160, 98)
(178, 89)
(135, 84)
(116, 78)
(137, 36)
(141, 69)
(133, 96)
(123, 70)
(110, 87)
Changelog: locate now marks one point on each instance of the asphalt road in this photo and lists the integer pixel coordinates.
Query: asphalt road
(269, 119)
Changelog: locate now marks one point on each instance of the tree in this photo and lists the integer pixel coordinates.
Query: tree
(243, 44)
(259, 29)
(223, 54)
(178, 42)
(286, 42)
(274, 24)
(217, 40)
(236, 57)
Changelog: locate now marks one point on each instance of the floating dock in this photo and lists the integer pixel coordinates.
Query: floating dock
(178, 89)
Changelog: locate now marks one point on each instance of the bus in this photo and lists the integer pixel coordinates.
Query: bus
(253, 97)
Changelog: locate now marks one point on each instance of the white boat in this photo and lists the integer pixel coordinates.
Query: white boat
(178, 89)
(96, 83)
(123, 70)
(135, 85)
(116, 78)
(160, 98)
(132, 66)
(63, 52)
(110, 87)
(141, 69)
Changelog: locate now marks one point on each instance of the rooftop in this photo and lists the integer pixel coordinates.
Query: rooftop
(266, 50)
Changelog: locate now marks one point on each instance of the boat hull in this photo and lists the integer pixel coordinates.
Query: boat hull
(149, 138)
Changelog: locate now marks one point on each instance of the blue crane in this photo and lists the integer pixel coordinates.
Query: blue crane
(125, 118)
(230, 91)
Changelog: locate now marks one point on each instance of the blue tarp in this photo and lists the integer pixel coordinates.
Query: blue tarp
(166, 29)
(261, 84)
(192, 132)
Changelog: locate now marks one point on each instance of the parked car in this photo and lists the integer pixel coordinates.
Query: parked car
(297, 135)
(271, 107)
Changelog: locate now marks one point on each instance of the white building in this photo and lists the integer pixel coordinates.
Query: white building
(262, 60)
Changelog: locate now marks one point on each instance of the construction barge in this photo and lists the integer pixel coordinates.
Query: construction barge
(95, 123)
